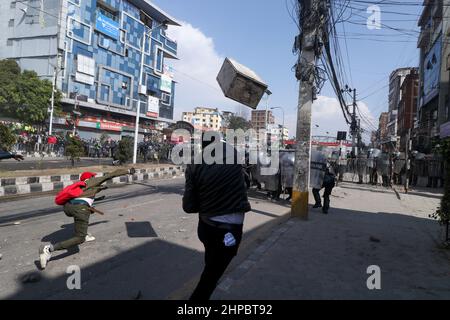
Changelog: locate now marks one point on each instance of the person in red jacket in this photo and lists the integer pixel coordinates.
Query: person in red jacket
(80, 209)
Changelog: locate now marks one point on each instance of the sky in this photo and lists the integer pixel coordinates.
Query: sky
(260, 35)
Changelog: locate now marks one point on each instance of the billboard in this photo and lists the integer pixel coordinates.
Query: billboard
(153, 107)
(107, 26)
(432, 72)
(166, 83)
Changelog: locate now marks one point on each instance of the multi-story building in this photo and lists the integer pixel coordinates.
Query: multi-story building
(108, 58)
(396, 79)
(278, 132)
(434, 73)
(382, 130)
(261, 119)
(204, 119)
(407, 108)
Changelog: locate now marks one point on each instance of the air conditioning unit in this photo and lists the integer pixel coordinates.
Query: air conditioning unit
(142, 89)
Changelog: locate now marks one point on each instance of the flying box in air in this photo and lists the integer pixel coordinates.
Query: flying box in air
(241, 84)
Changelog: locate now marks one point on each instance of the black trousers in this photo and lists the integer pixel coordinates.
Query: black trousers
(217, 257)
(326, 197)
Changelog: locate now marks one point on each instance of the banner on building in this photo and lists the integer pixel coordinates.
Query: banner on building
(166, 83)
(107, 26)
(432, 72)
(108, 125)
(153, 107)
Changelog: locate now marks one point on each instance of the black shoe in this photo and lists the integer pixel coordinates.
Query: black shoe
(317, 206)
(325, 211)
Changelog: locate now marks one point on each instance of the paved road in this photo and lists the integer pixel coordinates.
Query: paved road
(146, 247)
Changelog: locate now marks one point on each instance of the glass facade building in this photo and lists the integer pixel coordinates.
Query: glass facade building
(108, 57)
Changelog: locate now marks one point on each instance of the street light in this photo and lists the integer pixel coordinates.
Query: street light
(269, 93)
(56, 70)
(282, 128)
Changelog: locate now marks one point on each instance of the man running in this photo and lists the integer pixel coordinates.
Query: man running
(80, 209)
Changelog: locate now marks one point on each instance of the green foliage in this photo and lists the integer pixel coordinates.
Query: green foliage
(74, 149)
(124, 150)
(443, 212)
(235, 123)
(24, 96)
(7, 138)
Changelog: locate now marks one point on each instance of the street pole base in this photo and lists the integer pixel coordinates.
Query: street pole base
(300, 205)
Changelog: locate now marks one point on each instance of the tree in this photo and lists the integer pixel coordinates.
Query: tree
(24, 96)
(7, 138)
(124, 150)
(235, 123)
(74, 149)
(443, 212)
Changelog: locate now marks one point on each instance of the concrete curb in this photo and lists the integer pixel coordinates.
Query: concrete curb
(31, 185)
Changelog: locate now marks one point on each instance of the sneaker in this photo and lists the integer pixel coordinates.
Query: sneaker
(44, 255)
(89, 238)
(317, 206)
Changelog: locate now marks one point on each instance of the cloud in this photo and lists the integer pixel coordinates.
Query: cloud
(196, 71)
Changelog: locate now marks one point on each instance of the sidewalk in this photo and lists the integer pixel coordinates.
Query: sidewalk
(327, 257)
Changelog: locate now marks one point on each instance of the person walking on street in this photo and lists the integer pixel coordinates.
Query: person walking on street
(80, 209)
(217, 192)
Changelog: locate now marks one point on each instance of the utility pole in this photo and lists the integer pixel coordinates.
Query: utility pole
(311, 24)
(52, 105)
(354, 125)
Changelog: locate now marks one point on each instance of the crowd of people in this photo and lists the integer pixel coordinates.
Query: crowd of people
(376, 167)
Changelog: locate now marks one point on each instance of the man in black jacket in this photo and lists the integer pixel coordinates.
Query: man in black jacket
(218, 193)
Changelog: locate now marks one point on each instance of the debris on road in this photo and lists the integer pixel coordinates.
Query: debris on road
(373, 239)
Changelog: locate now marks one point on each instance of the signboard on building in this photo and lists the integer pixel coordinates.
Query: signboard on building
(153, 107)
(166, 83)
(108, 125)
(431, 72)
(107, 26)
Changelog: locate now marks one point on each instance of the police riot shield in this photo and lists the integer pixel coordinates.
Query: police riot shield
(372, 158)
(287, 162)
(383, 164)
(361, 164)
(271, 182)
(399, 163)
(318, 168)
